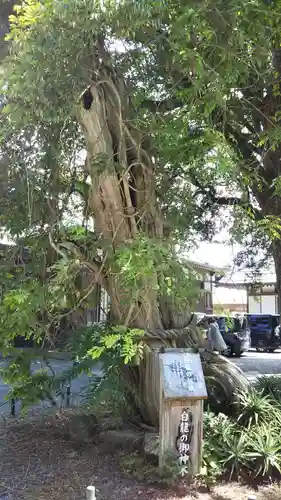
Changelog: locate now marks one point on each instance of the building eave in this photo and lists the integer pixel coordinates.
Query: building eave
(205, 267)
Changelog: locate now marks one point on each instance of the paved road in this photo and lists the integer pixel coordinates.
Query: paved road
(58, 366)
(263, 363)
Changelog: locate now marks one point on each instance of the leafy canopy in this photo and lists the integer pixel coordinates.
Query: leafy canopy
(189, 71)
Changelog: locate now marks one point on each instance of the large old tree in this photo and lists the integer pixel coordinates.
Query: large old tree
(106, 120)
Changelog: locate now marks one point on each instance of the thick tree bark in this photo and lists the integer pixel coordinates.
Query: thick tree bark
(276, 250)
(122, 201)
(270, 203)
(6, 9)
(119, 216)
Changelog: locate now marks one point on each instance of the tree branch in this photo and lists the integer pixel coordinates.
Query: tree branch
(161, 106)
(210, 192)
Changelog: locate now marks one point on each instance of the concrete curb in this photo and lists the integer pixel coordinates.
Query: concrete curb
(59, 355)
(254, 375)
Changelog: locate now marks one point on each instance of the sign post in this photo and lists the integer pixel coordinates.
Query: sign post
(182, 391)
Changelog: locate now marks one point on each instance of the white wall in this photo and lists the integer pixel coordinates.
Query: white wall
(104, 304)
(254, 304)
(266, 304)
(233, 296)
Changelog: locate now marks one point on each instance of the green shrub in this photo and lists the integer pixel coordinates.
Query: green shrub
(256, 408)
(247, 442)
(265, 449)
(211, 469)
(224, 444)
(270, 386)
(235, 452)
(217, 427)
(110, 397)
(114, 347)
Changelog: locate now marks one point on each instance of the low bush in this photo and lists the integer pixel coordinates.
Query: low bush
(110, 397)
(265, 450)
(256, 408)
(245, 443)
(226, 447)
(270, 386)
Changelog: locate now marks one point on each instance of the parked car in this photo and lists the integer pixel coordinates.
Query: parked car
(235, 332)
(265, 331)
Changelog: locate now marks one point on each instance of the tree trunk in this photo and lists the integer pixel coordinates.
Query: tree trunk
(270, 203)
(123, 204)
(276, 249)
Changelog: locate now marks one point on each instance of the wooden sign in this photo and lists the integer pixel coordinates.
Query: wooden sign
(182, 375)
(183, 390)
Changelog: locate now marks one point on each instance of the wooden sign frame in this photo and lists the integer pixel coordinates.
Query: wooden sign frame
(181, 411)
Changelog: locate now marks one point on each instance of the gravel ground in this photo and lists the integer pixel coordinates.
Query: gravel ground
(37, 462)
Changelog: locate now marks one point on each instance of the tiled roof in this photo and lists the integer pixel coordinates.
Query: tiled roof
(204, 266)
(246, 277)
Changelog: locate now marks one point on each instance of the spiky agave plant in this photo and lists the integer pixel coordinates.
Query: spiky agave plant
(256, 408)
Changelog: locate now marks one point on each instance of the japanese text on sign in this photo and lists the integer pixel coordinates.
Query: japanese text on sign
(183, 440)
(183, 375)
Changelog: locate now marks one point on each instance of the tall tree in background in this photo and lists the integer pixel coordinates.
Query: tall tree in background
(222, 69)
(251, 124)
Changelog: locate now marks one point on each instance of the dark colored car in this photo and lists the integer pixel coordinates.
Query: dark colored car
(235, 332)
(23, 342)
(265, 331)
